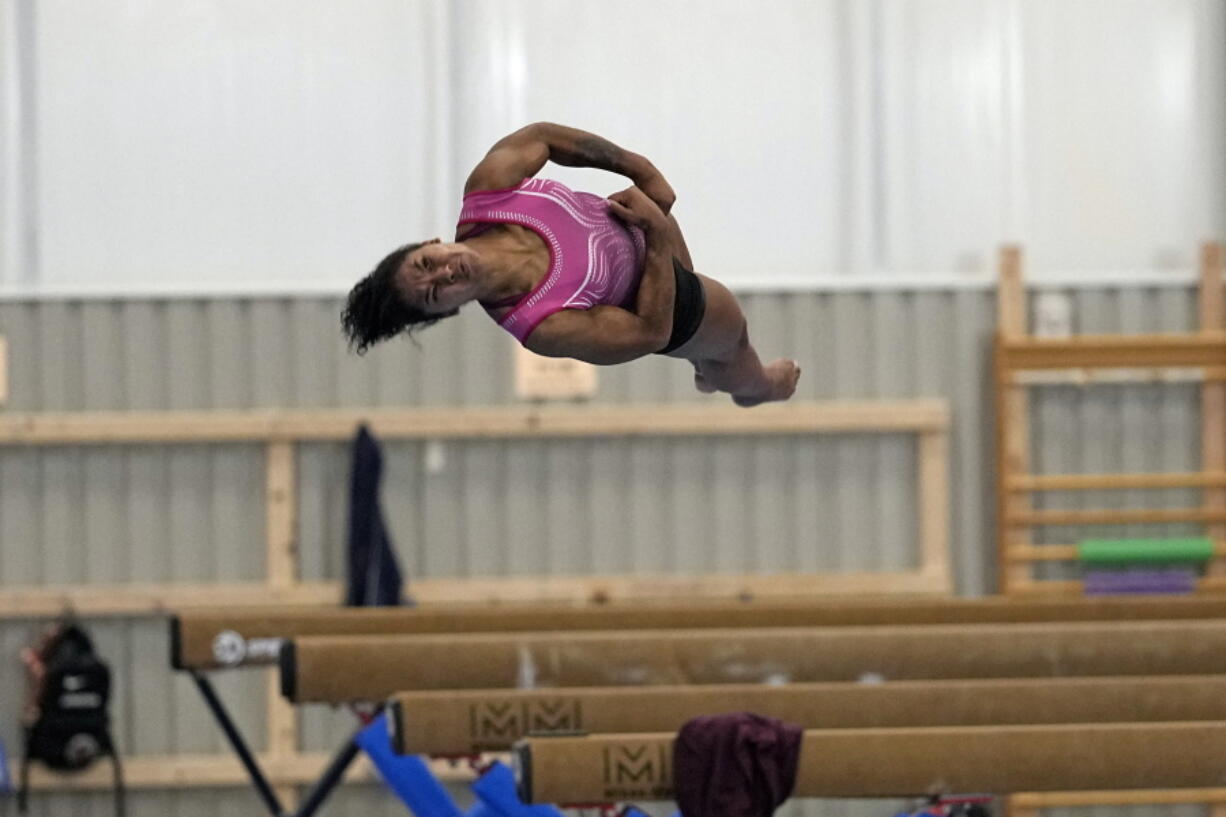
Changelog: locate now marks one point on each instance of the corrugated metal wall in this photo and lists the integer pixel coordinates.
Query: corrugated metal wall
(601, 505)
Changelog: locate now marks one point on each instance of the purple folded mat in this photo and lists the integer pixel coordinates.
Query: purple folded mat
(1139, 582)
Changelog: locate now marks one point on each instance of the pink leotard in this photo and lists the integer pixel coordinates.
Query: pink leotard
(593, 257)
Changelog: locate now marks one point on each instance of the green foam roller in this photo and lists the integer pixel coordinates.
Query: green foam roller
(1124, 551)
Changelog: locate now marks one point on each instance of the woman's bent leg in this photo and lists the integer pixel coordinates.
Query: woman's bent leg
(725, 360)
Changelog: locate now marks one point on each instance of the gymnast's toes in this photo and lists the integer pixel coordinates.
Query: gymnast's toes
(702, 384)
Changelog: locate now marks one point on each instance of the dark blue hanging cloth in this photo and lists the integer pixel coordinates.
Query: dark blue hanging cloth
(374, 575)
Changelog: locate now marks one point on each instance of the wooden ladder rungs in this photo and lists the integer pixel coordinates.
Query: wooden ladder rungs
(1151, 516)
(1068, 553)
(1030, 483)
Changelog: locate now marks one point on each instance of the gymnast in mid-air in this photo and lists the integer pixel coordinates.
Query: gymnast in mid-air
(571, 274)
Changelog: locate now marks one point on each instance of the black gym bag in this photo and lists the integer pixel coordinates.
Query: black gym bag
(67, 726)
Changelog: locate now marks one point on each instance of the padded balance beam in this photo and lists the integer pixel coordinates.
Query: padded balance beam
(338, 669)
(212, 639)
(467, 723)
(900, 762)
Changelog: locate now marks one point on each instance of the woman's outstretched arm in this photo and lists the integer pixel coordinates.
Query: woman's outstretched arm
(523, 153)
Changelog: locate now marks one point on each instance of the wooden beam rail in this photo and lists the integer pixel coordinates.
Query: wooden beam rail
(158, 599)
(1146, 797)
(1067, 553)
(1205, 349)
(144, 600)
(278, 430)
(1211, 376)
(1206, 586)
(343, 669)
(1011, 411)
(902, 762)
(1148, 516)
(194, 633)
(181, 771)
(459, 723)
(506, 422)
(210, 771)
(1031, 483)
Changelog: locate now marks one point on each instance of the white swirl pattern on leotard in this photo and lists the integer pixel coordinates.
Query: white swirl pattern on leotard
(565, 219)
(555, 250)
(604, 244)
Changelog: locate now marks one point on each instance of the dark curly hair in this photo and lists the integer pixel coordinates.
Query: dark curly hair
(376, 311)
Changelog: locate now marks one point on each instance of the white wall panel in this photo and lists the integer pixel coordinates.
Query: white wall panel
(16, 149)
(943, 145)
(1122, 103)
(9, 155)
(739, 105)
(232, 145)
(220, 146)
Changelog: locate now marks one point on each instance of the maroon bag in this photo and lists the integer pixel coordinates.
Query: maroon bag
(735, 765)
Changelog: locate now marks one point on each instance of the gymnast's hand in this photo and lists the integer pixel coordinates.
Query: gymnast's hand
(634, 207)
(658, 190)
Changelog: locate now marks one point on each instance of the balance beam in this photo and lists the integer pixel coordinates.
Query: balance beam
(338, 669)
(213, 639)
(900, 762)
(471, 722)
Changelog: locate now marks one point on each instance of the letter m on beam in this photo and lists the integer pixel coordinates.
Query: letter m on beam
(496, 721)
(632, 764)
(554, 716)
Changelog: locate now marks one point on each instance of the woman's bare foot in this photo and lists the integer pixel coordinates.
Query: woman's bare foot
(701, 383)
(782, 376)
